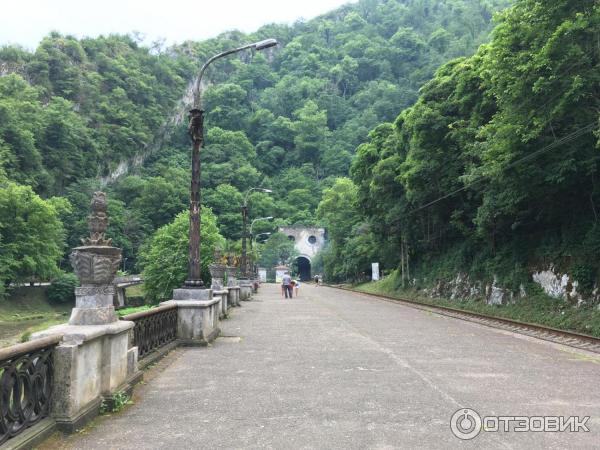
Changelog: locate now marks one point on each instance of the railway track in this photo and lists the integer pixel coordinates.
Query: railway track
(568, 338)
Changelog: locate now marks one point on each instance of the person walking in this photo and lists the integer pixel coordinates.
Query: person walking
(296, 287)
(286, 284)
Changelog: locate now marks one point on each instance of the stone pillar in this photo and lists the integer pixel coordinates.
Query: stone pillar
(95, 263)
(223, 295)
(197, 315)
(232, 284)
(217, 273)
(245, 290)
(199, 309)
(93, 362)
(121, 297)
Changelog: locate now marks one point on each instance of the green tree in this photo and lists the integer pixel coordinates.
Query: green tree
(66, 145)
(161, 200)
(278, 249)
(226, 105)
(32, 237)
(19, 122)
(225, 201)
(311, 132)
(62, 288)
(339, 213)
(165, 259)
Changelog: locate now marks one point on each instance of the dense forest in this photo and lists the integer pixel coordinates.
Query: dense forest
(416, 137)
(493, 171)
(77, 115)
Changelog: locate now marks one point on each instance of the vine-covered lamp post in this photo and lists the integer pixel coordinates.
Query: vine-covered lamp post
(245, 228)
(196, 131)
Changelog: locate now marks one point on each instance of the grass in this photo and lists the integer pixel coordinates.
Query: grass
(26, 311)
(536, 308)
(28, 303)
(135, 291)
(119, 401)
(124, 311)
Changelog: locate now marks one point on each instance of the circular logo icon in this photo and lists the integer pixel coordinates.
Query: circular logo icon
(465, 424)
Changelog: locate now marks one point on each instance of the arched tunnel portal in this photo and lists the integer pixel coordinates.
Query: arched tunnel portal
(304, 270)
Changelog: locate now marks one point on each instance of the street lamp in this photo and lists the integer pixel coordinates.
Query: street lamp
(251, 237)
(196, 132)
(245, 228)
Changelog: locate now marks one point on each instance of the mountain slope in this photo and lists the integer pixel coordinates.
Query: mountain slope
(290, 118)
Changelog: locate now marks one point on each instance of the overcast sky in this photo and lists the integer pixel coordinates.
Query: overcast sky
(26, 22)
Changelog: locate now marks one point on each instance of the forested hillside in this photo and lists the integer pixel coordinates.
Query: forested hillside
(493, 172)
(290, 119)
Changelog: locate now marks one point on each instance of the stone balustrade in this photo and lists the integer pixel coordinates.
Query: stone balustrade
(245, 289)
(92, 364)
(233, 298)
(96, 357)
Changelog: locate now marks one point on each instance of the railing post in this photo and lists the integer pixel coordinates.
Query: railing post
(233, 286)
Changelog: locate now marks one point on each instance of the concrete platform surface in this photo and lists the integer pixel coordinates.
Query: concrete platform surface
(337, 370)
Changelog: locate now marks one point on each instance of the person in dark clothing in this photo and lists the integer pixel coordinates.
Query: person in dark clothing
(286, 283)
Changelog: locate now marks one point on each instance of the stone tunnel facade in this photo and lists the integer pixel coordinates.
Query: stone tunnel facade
(308, 240)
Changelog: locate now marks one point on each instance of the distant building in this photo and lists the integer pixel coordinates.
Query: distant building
(280, 272)
(262, 274)
(308, 242)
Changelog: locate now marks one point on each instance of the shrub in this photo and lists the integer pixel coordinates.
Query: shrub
(62, 288)
(165, 259)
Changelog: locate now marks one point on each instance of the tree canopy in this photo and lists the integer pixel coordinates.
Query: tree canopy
(32, 236)
(78, 115)
(494, 169)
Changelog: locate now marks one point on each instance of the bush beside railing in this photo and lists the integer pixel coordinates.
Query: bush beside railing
(26, 384)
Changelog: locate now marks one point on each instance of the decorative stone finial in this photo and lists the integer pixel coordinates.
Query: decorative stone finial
(217, 255)
(98, 222)
(95, 264)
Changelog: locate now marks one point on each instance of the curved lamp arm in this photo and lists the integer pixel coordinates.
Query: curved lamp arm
(261, 45)
(258, 220)
(268, 191)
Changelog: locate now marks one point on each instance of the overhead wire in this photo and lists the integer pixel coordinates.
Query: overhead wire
(566, 139)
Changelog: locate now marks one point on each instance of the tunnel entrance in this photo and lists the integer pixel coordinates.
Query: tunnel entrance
(303, 268)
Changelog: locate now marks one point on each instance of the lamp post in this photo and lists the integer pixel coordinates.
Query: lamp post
(251, 236)
(245, 228)
(196, 132)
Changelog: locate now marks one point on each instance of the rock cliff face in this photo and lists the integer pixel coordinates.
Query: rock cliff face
(463, 287)
(553, 282)
(563, 285)
(176, 118)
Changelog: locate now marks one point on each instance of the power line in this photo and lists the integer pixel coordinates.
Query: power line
(533, 155)
(568, 138)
